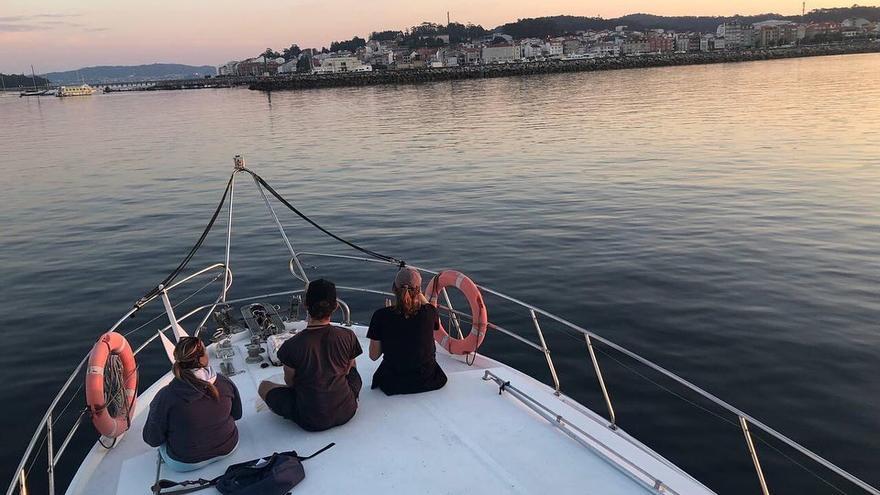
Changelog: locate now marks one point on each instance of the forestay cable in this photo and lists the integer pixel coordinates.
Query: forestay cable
(173, 275)
(170, 278)
(302, 215)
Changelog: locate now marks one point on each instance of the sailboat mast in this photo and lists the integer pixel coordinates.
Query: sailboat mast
(33, 77)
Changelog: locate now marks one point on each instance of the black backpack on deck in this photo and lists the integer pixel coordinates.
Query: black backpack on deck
(275, 475)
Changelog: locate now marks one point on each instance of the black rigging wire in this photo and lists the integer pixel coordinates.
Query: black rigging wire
(350, 244)
(170, 278)
(173, 275)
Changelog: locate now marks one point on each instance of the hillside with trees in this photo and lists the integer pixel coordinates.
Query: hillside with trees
(542, 27)
(122, 73)
(428, 34)
(348, 45)
(22, 81)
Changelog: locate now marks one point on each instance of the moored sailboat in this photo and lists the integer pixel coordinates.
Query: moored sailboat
(36, 91)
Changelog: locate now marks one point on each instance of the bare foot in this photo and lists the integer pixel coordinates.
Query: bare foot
(266, 386)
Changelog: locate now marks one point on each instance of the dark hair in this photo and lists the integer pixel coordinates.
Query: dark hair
(187, 356)
(321, 299)
(407, 301)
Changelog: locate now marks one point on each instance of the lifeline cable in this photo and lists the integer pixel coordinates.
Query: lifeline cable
(170, 278)
(717, 416)
(350, 244)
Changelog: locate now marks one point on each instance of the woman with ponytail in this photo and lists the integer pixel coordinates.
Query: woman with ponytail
(404, 334)
(192, 419)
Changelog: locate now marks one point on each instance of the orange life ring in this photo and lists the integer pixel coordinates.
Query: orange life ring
(479, 316)
(106, 424)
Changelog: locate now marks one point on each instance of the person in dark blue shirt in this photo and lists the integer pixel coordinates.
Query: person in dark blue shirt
(192, 419)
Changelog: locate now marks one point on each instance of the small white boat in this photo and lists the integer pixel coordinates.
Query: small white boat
(35, 92)
(491, 429)
(81, 90)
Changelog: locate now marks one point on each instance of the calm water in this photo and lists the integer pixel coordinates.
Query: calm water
(722, 220)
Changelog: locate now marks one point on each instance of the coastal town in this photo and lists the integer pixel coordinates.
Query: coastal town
(455, 45)
(431, 52)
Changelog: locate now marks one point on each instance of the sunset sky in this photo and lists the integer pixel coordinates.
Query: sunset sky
(68, 34)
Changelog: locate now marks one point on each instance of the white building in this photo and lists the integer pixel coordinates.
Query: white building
(709, 43)
(228, 69)
(288, 67)
(604, 49)
(380, 58)
(531, 48)
(500, 53)
(770, 23)
(342, 64)
(506, 37)
(554, 49)
(376, 53)
(736, 35)
(634, 47)
(856, 22)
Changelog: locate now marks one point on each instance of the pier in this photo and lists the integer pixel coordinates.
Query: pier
(296, 81)
(414, 76)
(177, 84)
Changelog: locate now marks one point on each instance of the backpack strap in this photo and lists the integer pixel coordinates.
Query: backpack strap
(316, 453)
(201, 484)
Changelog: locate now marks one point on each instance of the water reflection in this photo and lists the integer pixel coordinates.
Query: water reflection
(722, 220)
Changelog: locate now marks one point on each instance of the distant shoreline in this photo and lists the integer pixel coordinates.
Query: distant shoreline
(416, 76)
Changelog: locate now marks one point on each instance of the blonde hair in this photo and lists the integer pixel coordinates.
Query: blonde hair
(407, 302)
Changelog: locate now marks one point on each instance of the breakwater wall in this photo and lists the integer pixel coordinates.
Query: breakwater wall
(414, 76)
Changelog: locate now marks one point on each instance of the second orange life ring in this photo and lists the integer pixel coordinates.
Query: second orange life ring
(479, 316)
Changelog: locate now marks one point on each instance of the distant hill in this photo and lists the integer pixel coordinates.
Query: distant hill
(15, 81)
(557, 25)
(123, 73)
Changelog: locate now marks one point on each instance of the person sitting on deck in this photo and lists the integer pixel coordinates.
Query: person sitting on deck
(322, 382)
(404, 333)
(192, 419)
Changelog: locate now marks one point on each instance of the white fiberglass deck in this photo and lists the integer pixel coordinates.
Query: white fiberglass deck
(463, 438)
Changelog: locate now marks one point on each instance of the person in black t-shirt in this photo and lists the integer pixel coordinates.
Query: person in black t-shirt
(322, 382)
(404, 334)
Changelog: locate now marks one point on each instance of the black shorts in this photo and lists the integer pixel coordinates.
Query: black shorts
(282, 401)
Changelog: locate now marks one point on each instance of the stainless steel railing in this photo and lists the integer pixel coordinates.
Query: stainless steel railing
(533, 313)
(47, 422)
(745, 420)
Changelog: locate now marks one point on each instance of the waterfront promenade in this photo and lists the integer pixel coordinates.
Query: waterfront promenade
(413, 76)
